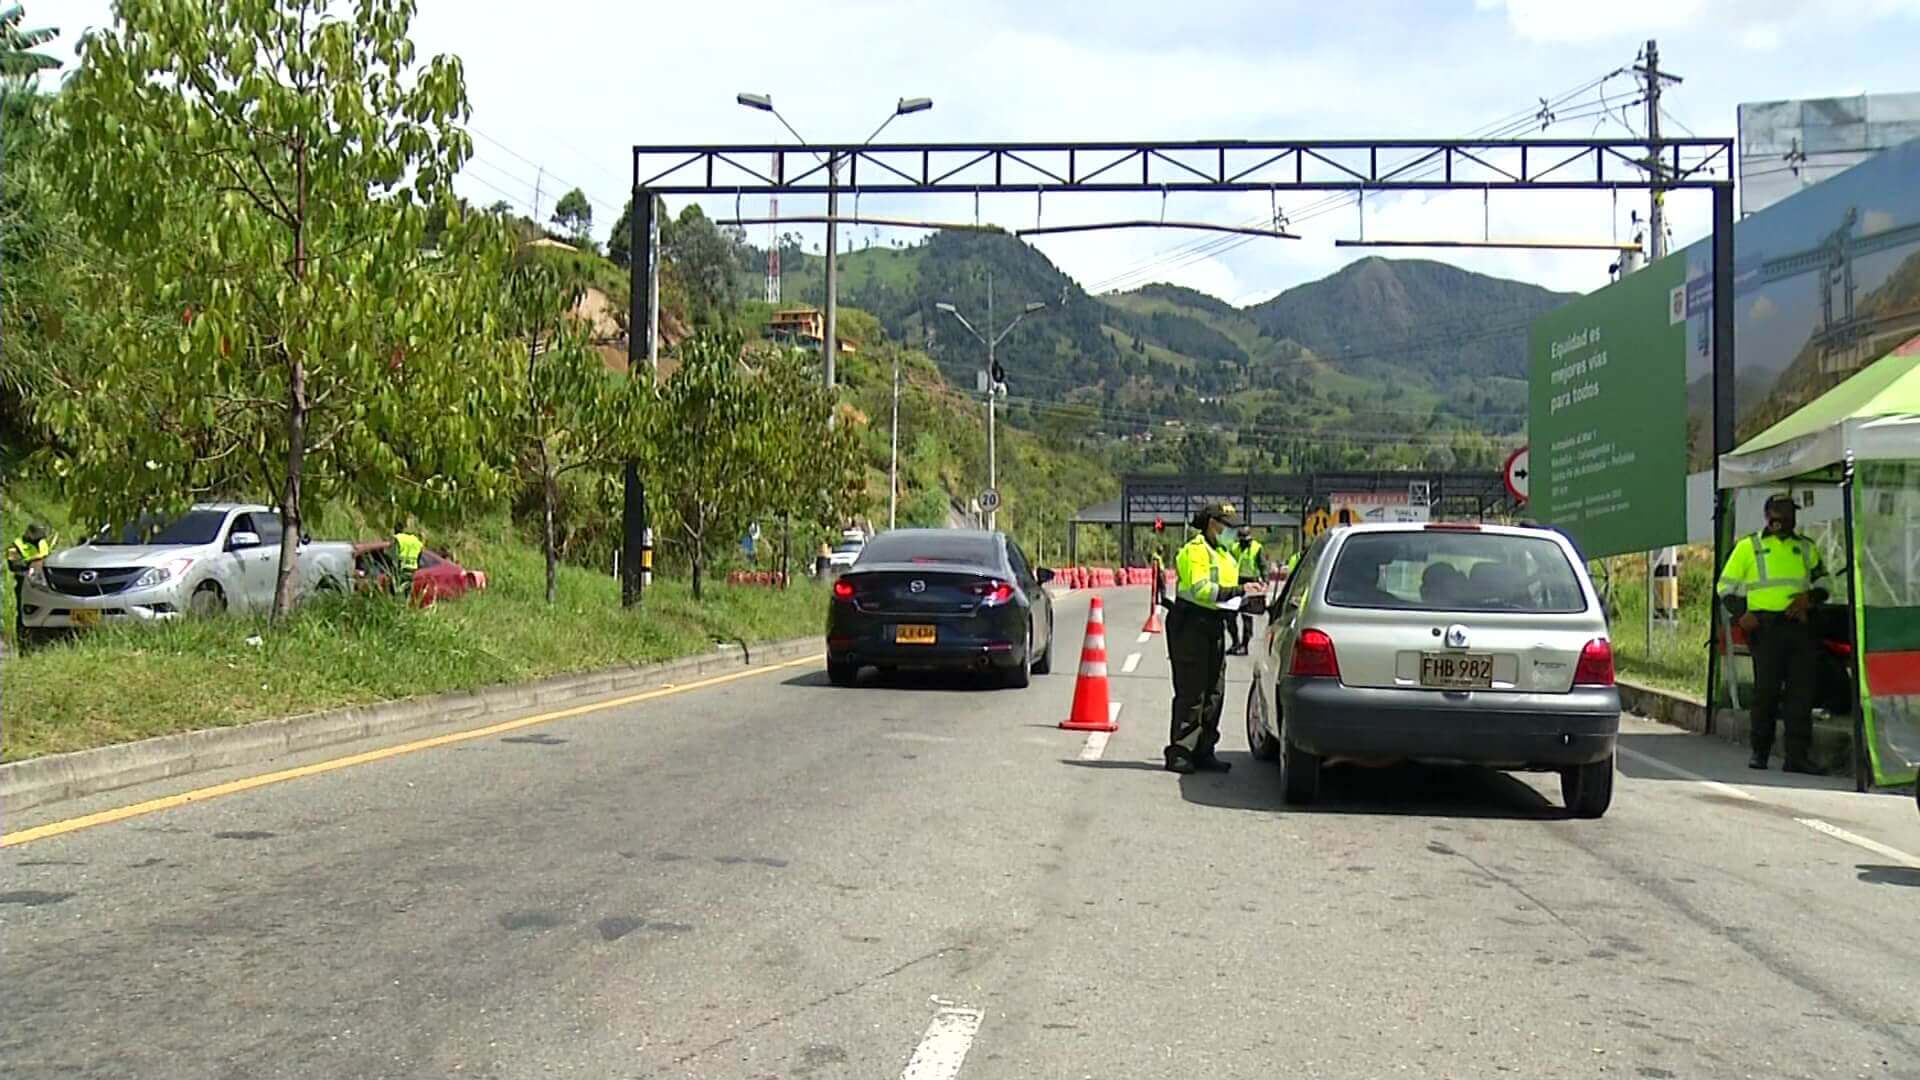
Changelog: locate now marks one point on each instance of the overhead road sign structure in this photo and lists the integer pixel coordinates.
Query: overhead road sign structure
(1517, 245)
(1202, 226)
(1175, 167)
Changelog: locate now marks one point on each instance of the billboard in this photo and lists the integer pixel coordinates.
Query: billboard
(1786, 146)
(1357, 508)
(1608, 435)
(1825, 282)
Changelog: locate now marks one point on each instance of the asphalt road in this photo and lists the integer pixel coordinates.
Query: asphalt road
(770, 877)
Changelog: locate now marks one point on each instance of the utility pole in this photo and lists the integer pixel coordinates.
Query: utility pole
(993, 475)
(539, 179)
(893, 453)
(1661, 560)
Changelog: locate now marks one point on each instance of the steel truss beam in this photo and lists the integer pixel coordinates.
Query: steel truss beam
(1204, 165)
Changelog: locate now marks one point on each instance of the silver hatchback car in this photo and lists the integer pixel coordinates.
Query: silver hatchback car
(1443, 643)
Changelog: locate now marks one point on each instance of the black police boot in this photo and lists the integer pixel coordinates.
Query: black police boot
(1758, 760)
(1178, 762)
(1209, 763)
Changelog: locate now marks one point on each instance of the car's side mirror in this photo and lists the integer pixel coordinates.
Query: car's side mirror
(1043, 575)
(241, 540)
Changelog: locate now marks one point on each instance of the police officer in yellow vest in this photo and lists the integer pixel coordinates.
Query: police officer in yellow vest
(1251, 564)
(1768, 587)
(406, 554)
(32, 546)
(1206, 577)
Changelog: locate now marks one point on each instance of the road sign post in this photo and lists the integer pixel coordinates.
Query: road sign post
(1516, 474)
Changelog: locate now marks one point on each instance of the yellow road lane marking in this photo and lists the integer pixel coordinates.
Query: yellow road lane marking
(234, 787)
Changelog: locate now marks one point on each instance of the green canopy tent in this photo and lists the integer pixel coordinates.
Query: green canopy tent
(1864, 436)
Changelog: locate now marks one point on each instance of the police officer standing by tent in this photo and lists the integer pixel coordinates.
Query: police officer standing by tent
(1252, 566)
(1206, 577)
(1768, 588)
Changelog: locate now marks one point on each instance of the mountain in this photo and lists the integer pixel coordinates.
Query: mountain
(1378, 364)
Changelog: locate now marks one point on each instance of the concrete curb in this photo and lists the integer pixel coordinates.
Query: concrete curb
(42, 780)
(1832, 739)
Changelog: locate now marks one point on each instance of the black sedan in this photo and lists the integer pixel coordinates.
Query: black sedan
(959, 599)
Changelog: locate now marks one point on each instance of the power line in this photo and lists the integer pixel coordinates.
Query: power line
(1181, 257)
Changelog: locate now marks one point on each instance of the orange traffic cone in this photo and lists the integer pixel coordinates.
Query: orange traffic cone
(1154, 625)
(1090, 711)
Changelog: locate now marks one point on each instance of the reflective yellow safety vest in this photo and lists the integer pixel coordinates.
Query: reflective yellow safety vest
(1293, 560)
(408, 548)
(22, 552)
(1203, 570)
(1247, 556)
(1771, 570)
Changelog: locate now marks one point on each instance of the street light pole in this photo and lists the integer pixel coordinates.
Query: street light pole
(830, 346)
(893, 453)
(991, 341)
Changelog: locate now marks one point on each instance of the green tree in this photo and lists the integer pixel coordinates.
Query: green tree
(574, 214)
(273, 163)
(703, 257)
(576, 415)
(20, 65)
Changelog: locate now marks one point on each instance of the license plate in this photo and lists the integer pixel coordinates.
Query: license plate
(1455, 671)
(914, 635)
(85, 617)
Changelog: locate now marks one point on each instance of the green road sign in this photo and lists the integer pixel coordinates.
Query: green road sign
(1608, 414)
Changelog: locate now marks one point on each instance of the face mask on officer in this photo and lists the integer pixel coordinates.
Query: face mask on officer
(1782, 515)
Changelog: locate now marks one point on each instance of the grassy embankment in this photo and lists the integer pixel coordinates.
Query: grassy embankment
(123, 683)
(1678, 659)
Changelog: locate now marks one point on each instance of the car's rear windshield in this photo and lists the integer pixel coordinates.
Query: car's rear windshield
(845, 546)
(192, 527)
(1439, 570)
(930, 547)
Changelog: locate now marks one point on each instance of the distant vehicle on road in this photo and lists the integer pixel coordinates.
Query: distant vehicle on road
(961, 599)
(845, 552)
(1442, 643)
(213, 558)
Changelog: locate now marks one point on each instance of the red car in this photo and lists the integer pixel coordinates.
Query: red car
(439, 577)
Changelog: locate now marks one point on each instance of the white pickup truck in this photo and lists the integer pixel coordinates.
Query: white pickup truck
(214, 557)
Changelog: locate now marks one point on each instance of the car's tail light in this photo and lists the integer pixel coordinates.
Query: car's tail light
(1596, 664)
(1452, 526)
(1313, 656)
(993, 592)
(843, 591)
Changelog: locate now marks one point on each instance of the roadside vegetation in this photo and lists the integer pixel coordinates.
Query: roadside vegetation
(1678, 660)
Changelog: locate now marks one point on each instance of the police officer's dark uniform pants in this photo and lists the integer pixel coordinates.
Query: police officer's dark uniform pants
(19, 611)
(1785, 666)
(1198, 651)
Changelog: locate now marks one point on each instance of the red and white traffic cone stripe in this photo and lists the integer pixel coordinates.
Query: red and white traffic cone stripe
(1090, 712)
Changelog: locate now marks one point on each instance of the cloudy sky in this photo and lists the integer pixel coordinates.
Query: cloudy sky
(561, 88)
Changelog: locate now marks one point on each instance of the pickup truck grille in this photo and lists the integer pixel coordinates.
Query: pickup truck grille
(92, 582)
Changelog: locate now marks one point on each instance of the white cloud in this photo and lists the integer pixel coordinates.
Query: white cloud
(1763, 309)
(1761, 38)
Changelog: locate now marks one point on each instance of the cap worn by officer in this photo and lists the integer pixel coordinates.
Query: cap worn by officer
(1221, 512)
(35, 533)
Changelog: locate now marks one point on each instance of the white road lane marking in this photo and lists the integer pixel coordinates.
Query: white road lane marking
(1133, 661)
(944, 1047)
(1143, 638)
(1687, 774)
(1096, 745)
(1822, 827)
(1859, 841)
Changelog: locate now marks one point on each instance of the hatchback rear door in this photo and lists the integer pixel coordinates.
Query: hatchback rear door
(1457, 608)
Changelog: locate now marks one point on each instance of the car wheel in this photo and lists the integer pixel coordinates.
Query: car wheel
(208, 599)
(1020, 676)
(1300, 783)
(841, 673)
(1264, 746)
(1043, 665)
(1588, 789)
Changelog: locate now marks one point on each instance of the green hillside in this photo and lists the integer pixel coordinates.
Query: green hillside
(1385, 363)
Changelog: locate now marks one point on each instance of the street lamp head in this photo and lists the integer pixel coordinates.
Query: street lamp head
(946, 307)
(763, 102)
(1035, 306)
(912, 105)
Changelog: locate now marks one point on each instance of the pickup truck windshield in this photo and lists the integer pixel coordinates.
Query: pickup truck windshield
(192, 527)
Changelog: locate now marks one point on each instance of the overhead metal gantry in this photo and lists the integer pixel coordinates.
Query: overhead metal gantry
(1208, 165)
